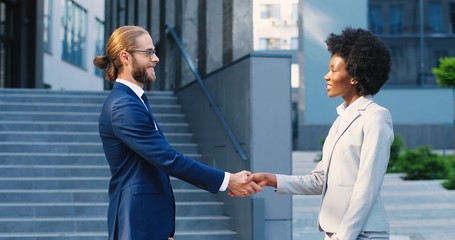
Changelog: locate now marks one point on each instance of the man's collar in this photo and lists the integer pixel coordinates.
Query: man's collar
(136, 89)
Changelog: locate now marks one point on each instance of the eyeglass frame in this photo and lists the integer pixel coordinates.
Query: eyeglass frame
(150, 52)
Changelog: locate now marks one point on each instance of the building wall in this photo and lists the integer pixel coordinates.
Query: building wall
(242, 90)
(62, 75)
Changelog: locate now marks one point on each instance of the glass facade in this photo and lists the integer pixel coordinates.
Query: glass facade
(418, 32)
(99, 44)
(74, 41)
(47, 26)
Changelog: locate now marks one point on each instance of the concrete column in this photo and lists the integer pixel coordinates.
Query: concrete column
(189, 37)
(242, 28)
(214, 43)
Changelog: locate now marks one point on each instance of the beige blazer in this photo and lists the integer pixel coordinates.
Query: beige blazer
(349, 176)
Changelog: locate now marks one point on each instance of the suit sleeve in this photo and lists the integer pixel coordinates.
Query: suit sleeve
(311, 184)
(374, 157)
(132, 124)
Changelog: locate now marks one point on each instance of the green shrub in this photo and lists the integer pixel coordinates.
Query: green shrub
(450, 182)
(445, 73)
(319, 155)
(395, 165)
(421, 163)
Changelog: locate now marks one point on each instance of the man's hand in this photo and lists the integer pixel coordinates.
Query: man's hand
(238, 187)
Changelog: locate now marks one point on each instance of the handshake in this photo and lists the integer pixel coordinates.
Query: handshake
(245, 183)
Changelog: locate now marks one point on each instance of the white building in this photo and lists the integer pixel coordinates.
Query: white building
(73, 36)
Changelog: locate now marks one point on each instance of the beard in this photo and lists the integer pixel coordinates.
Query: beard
(141, 74)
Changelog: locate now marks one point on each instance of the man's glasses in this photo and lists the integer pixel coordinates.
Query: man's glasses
(149, 52)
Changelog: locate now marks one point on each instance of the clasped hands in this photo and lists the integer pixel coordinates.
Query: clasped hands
(244, 183)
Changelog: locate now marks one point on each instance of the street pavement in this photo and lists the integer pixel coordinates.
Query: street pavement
(417, 210)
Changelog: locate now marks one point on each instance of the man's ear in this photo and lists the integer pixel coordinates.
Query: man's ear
(354, 81)
(124, 57)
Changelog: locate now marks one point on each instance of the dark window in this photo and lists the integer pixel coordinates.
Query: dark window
(99, 44)
(435, 17)
(269, 44)
(375, 18)
(270, 11)
(452, 17)
(47, 25)
(396, 19)
(74, 40)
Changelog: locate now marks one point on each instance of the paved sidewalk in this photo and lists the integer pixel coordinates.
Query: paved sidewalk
(417, 210)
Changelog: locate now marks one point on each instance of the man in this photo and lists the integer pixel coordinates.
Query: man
(141, 201)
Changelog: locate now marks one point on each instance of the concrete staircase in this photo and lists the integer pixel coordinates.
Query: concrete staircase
(54, 176)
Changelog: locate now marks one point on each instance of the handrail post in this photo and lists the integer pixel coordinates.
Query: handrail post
(209, 95)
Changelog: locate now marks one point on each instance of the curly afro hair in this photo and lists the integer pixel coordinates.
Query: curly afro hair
(367, 58)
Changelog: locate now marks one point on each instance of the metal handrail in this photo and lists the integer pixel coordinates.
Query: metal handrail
(209, 95)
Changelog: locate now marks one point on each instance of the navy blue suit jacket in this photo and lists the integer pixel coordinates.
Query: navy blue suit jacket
(141, 202)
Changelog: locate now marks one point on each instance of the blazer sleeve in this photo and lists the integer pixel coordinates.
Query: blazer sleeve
(133, 125)
(374, 157)
(311, 184)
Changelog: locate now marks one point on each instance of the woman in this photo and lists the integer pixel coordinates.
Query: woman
(356, 151)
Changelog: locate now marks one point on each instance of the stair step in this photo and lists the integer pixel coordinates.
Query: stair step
(187, 235)
(54, 170)
(90, 224)
(75, 117)
(32, 158)
(75, 107)
(74, 147)
(206, 235)
(53, 195)
(54, 136)
(86, 195)
(32, 225)
(76, 98)
(96, 209)
(55, 209)
(29, 183)
(102, 235)
(75, 126)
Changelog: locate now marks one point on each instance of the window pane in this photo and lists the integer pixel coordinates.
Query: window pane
(47, 25)
(99, 44)
(270, 11)
(263, 44)
(396, 19)
(435, 17)
(295, 12)
(452, 17)
(74, 33)
(294, 43)
(375, 18)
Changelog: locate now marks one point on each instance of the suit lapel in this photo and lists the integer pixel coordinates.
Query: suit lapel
(340, 126)
(350, 116)
(129, 91)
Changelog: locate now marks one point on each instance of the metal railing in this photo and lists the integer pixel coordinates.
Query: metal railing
(208, 94)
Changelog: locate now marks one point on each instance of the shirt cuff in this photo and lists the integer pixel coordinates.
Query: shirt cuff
(224, 185)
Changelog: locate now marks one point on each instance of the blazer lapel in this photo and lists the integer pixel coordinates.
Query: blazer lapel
(351, 116)
(340, 126)
(129, 91)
